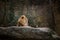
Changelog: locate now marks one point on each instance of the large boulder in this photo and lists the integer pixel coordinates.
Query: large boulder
(26, 33)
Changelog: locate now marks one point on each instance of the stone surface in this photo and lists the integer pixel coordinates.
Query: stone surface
(29, 33)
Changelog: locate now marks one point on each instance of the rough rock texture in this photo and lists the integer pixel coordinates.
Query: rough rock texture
(19, 33)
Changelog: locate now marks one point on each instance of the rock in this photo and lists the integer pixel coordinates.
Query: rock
(20, 33)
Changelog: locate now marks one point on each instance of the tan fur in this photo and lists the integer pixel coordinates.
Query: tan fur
(22, 21)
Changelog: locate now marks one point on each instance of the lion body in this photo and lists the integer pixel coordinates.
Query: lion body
(22, 21)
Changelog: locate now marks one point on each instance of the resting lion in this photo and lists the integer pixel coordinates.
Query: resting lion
(22, 21)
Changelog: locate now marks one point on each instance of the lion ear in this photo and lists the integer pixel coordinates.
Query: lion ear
(22, 17)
